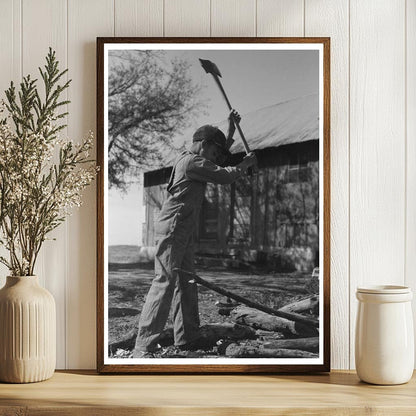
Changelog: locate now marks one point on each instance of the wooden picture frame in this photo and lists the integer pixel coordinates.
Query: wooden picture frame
(316, 232)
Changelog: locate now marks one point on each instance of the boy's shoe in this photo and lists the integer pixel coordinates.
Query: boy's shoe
(200, 343)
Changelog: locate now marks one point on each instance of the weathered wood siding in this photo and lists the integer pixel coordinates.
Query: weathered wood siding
(260, 218)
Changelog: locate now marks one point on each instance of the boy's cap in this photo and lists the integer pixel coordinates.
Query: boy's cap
(212, 134)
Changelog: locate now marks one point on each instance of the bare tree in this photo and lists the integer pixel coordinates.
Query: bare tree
(150, 98)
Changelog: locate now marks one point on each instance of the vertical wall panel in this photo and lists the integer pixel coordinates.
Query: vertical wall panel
(330, 18)
(10, 65)
(44, 24)
(377, 150)
(87, 20)
(280, 18)
(383, 223)
(233, 18)
(187, 18)
(6, 45)
(411, 150)
(10, 44)
(138, 17)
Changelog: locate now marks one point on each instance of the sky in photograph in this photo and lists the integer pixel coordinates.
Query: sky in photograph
(252, 80)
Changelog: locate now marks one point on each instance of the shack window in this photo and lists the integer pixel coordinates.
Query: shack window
(298, 169)
(297, 173)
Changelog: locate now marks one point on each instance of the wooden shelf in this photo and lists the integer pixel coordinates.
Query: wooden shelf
(86, 393)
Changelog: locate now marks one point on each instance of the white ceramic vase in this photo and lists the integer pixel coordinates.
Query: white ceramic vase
(384, 341)
(27, 331)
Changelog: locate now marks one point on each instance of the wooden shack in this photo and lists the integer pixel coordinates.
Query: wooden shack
(270, 219)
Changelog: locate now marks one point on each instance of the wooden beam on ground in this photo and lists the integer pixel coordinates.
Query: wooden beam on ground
(305, 305)
(304, 344)
(243, 351)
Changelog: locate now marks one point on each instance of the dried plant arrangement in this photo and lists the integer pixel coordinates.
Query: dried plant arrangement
(42, 175)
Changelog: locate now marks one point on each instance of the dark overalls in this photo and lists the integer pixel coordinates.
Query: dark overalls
(174, 235)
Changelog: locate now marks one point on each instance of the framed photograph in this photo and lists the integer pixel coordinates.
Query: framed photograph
(213, 205)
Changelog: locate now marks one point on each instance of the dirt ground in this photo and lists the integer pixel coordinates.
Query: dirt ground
(128, 287)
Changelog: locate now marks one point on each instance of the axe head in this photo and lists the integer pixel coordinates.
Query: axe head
(210, 67)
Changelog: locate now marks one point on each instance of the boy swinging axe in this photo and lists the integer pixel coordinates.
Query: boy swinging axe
(174, 231)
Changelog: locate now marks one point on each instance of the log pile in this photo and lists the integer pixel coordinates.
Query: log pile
(256, 330)
(277, 337)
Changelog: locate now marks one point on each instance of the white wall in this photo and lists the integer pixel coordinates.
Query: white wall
(373, 132)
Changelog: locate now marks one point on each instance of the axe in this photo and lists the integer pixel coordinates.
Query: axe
(211, 68)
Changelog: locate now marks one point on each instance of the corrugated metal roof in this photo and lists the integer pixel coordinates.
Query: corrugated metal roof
(289, 122)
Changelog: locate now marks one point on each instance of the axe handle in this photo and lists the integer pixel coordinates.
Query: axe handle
(245, 144)
(217, 80)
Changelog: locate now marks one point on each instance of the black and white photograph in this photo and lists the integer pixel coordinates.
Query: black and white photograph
(212, 246)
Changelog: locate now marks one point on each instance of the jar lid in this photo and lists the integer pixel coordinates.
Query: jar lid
(384, 289)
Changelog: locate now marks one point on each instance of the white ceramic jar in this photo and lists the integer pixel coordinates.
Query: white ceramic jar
(384, 338)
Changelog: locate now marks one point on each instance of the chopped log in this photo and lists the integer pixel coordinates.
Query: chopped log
(310, 305)
(268, 336)
(260, 320)
(241, 351)
(292, 316)
(227, 331)
(262, 333)
(304, 344)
